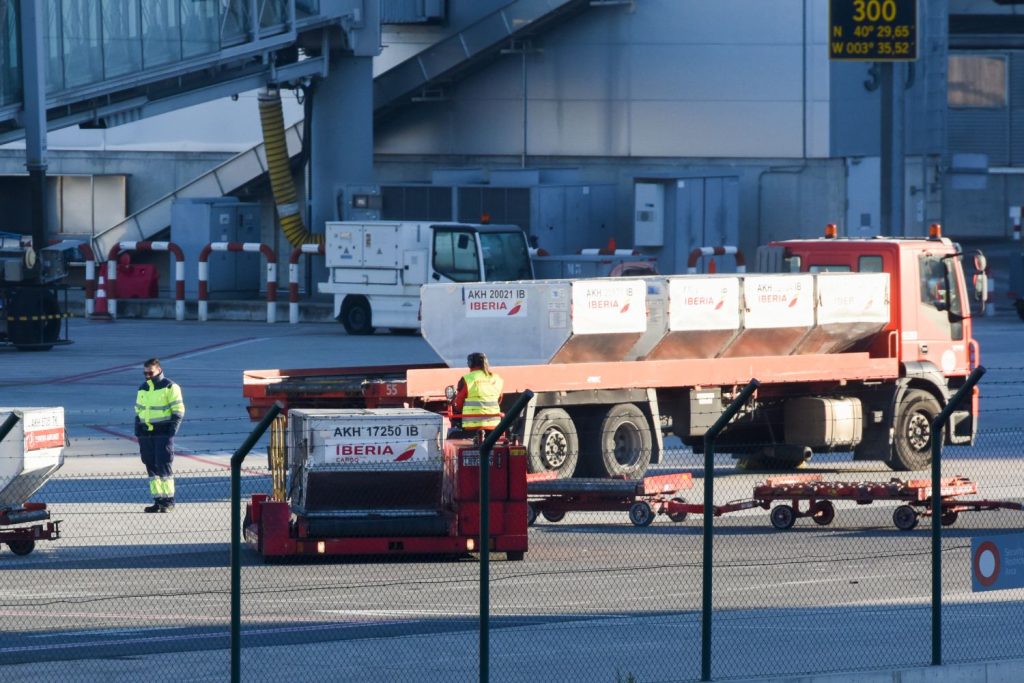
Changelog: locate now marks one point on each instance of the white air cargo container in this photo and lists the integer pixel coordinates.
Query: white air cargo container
(363, 461)
(547, 321)
(31, 453)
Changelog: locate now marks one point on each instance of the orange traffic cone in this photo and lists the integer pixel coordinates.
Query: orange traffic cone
(100, 310)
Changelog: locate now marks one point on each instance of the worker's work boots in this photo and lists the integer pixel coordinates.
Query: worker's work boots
(160, 505)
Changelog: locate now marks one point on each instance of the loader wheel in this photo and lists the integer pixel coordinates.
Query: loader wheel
(912, 435)
(356, 315)
(783, 517)
(641, 514)
(904, 517)
(553, 516)
(554, 445)
(624, 443)
(678, 516)
(22, 547)
(824, 513)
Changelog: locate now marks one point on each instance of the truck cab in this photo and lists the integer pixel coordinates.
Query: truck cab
(930, 323)
(376, 268)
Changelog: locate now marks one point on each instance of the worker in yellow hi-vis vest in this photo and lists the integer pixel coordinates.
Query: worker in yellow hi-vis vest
(159, 410)
(479, 393)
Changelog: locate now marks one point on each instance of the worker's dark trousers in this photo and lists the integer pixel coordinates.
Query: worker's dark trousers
(157, 451)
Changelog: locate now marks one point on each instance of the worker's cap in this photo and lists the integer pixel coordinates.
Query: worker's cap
(476, 358)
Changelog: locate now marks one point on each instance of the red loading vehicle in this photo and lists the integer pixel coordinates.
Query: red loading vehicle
(383, 482)
(857, 344)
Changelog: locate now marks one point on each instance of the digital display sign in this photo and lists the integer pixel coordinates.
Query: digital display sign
(873, 30)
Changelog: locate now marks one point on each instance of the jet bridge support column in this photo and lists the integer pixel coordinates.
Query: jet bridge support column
(341, 148)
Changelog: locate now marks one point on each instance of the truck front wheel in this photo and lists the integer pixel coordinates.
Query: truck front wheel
(356, 315)
(624, 443)
(912, 436)
(554, 445)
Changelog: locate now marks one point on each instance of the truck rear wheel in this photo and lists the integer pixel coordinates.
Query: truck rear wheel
(356, 315)
(624, 443)
(912, 436)
(554, 444)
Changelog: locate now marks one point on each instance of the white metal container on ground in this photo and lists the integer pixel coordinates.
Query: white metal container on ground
(31, 453)
(360, 459)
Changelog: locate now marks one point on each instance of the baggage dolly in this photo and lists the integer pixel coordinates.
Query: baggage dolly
(22, 540)
(915, 495)
(643, 499)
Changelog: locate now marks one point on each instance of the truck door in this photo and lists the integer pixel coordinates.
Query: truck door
(940, 327)
(455, 256)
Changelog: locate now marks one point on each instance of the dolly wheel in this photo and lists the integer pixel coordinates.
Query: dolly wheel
(514, 556)
(22, 547)
(949, 518)
(904, 517)
(824, 513)
(641, 514)
(553, 516)
(531, 514)
(678, 516)
(783, 517)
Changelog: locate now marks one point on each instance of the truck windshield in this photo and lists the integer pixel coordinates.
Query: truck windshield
(505, 256)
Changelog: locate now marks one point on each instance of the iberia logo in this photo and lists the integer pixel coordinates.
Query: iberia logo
(624, 308)
(516, 308)
(407, 453)
(792, 302)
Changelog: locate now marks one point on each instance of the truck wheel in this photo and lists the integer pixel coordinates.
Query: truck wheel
(1019, 305)
(356, 315)
(553, 516)
(22, 547)
(912, 436)
(554, 445)
(624, 443)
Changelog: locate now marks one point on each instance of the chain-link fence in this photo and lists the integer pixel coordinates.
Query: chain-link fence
(128, 595)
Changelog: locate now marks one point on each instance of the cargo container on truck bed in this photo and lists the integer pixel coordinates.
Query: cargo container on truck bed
(857, 344)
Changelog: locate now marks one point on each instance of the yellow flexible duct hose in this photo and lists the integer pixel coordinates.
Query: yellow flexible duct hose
(281, 183)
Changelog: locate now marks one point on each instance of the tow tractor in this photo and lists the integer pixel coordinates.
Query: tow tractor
(31, 452)
(384, 482)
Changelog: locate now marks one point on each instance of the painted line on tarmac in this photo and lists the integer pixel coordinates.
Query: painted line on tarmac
(177, 453)
(220, 346)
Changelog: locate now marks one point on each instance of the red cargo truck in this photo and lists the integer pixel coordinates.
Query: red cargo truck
(857, 344)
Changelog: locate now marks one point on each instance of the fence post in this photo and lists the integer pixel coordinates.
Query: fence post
(938, 429)
(8, 425)
(236, 536)
(485, 530)
(709, 516)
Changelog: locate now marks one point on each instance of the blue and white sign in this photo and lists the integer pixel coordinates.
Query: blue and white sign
(997, 562)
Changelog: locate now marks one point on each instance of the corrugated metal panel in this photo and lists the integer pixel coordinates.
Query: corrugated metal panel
(982, 131)
(411, 11)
